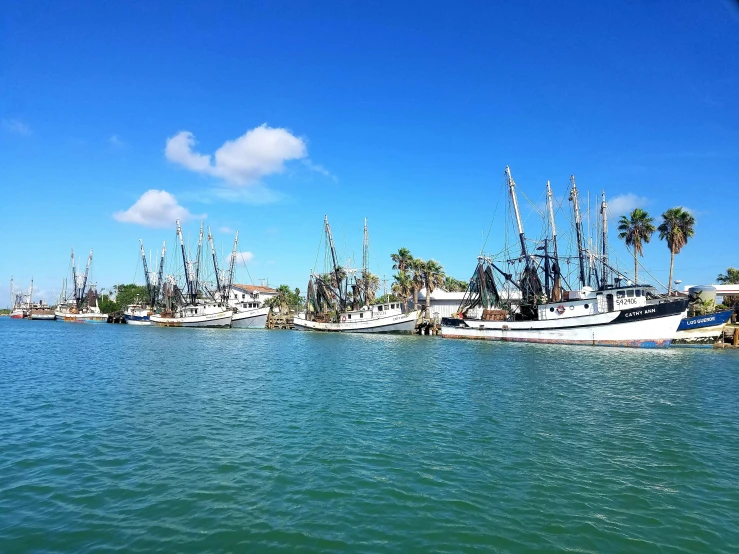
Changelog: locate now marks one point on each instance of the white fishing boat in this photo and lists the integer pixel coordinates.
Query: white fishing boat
(605, 315)
(249, 315)
(197, 315)
(342, 303)
(82, 307)
(138, 314)
(20, 302)
(193, 310)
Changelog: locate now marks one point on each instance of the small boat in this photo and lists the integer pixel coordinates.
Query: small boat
(599, 313)
(137, 314)
(701, 330)
(41, 312)
(336, 302)
(17, 313)
(82, 307)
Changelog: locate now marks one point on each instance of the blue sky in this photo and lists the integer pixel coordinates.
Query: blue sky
(265, 116)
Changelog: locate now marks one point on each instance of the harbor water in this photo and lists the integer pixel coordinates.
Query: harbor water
(139, 439)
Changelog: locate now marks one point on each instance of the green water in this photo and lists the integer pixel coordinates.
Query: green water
(182, 440)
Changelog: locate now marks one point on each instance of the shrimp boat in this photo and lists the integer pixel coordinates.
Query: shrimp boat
(140, 313)
(191, 309)
(19, 301)
(83, 306)
(702, 326)
(600, 312)
(338, 301)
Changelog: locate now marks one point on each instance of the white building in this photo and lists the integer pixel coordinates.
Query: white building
(251, 293)
(446, 304)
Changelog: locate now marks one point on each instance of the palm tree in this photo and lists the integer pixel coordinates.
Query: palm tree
(416, 273)
(676, 228)
(731, 277)
(402, 288)
(636, 229)
(454, 285)
(402, 259)
(433, 276)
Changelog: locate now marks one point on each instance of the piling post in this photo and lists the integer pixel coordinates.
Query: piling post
(736, 337)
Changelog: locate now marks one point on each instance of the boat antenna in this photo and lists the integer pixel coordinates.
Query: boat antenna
(578, 228)
(147, 277)
(188, 283)
(512, 187)
(160, 275)
(365, 262)
(215, 264)
(604, 240)
(230, 275)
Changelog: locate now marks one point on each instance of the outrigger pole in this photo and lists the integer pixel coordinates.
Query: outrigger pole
(188, 282)
(578, 228)
(336, 265)
(160, 274)
(215, 265)
(604, 240)
(230, 275)
(149, 288)
(512, 187)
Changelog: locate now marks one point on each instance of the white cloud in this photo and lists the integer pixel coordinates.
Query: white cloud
(242, 257)
(259, 152)
(626, 203)
(116, 142)
(156, 208)
(16, 126)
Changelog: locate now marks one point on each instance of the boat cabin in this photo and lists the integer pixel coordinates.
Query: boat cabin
(373, 312)
(589, 302)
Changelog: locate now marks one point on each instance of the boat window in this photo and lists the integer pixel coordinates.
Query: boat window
(620, 294)
(361, 315)
(349, 316)
(243, 296)
(551, 309)
(638, 292)
(630, 293)
(379, 308)
(587, 306)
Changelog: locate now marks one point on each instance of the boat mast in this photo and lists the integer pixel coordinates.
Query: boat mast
(84, 280)
(197, 261)
(188, 282)
(149, 287)
(555, 264)
(30, 294)
(578, 228)
(230, 275)
(512, 187)
(12, 294)
(365, 262)
(215, 265)
(336, 265)
(74, 281)
(604, 240)
(160, 275)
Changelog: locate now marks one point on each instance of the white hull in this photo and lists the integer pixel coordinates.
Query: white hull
(82, 318)
(255, 318)
(138, 322)
(618, 328)
(216, 319)
(42, 317)
(399, 323)
(699, 337)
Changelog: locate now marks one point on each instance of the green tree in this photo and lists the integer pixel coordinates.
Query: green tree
(676, 228)
(454, 285)
(401, 259)
(402, 288)
(433, 276)
(126, 295)
(415, 268)
(636, 230)
(286, 300)
(730, 278)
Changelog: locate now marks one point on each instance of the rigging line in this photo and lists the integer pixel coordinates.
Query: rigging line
(645, 269)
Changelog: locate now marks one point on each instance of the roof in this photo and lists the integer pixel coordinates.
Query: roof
(255, 288)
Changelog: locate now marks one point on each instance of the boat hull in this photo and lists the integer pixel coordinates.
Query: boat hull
(83, 318)
(137, 319)
(42, 316)
(17, 315)
(702, 330)
(403, 323)
(250, 319)
(651, 326)
(219, 319)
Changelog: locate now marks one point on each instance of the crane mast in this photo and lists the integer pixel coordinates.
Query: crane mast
(604, 240)
(578, 229)
(215, 265)
(149, 288)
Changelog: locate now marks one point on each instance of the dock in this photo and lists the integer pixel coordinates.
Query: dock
(279, 321)
(730, 337)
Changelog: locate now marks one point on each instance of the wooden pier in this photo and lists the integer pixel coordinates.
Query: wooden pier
(426, 326)
(279, 321)
(730, 337)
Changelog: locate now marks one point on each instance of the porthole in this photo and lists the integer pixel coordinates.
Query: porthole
(587, 306)
(572, 307)
(551, 309)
